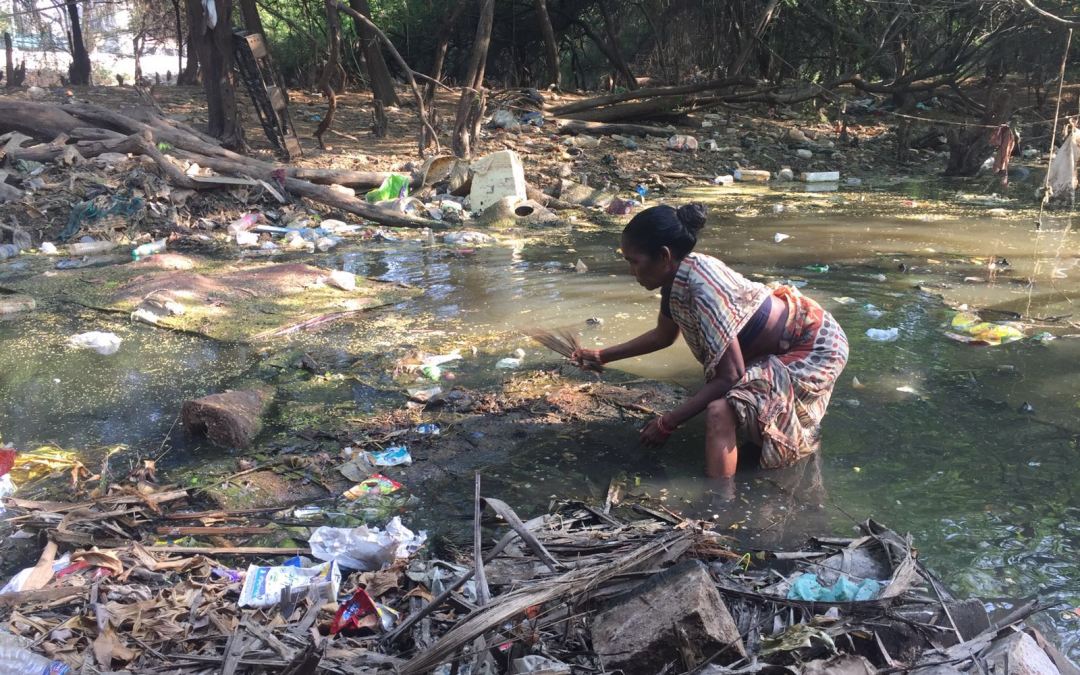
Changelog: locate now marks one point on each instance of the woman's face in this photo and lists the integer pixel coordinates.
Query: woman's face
(652, 272)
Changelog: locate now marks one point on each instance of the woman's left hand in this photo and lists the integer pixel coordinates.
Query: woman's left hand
(655, 433)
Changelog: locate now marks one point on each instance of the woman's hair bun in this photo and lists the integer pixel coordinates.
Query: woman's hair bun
(692, 216)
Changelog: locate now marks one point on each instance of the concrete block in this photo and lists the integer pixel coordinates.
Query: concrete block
(496, 176)
(1019, 654)
(676, 615)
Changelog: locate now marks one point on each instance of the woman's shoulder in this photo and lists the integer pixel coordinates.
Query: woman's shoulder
(701, 263)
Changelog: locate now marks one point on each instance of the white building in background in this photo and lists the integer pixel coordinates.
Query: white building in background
(39, 30)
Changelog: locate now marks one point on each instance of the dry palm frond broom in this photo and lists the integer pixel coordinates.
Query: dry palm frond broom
(563, 341)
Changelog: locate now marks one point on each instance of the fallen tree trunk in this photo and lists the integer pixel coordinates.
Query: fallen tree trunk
(652, 92)
(603, 128)
(143, 137)
(353, 179)
(663, 106)
(44, 121)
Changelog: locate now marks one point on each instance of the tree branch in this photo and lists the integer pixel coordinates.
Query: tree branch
(1047, 15)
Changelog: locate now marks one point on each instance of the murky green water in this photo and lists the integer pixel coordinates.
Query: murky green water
(973, 450)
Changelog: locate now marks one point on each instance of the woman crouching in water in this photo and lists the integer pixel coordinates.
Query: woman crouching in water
(771, 356)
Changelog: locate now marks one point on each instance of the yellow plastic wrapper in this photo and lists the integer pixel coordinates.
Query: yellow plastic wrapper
(974, 331)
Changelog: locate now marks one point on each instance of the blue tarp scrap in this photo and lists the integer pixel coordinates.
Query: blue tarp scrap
(93, 210)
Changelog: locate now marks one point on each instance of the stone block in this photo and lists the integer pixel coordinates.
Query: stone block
(1019, 654)
(676, 615)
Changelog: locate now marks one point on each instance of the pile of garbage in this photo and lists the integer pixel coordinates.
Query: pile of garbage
(585, 588)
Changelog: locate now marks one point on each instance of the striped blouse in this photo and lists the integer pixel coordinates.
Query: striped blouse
(711, 303)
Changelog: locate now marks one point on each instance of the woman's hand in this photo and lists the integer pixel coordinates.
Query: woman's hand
(588, 359)
(656, 433)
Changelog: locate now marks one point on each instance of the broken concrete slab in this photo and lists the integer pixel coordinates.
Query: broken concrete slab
(1019, 654)
(583, 195)
(842, 664)
(496, 176)
(677, 615)
(514, 212)
(231, 419)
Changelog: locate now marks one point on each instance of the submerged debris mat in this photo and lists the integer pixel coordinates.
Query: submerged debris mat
(228, 301)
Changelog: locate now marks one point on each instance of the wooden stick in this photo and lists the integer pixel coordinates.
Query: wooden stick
(223, 531)
(239, 550)
(483, 593)
(458, 583)
(40, 596)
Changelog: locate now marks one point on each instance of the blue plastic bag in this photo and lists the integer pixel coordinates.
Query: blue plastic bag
(807, 587)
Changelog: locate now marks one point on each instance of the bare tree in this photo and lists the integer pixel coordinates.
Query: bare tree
(79, 70)
(470, 108)
(179, 23)
(212, 36)
(332, 80)
(250, 12)
(382, 85)
(551, 45)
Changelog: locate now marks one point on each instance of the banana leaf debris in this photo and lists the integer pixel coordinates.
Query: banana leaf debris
(615, 587)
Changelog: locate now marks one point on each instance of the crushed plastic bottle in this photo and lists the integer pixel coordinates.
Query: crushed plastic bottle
(149, 249)
(433, 373)
(429, 429)
(16, 659)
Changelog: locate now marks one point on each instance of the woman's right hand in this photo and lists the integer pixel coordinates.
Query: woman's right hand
(588, 359)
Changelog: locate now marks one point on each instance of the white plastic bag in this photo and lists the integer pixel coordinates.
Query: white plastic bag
(883, 334)
(105, 344)
(7, 488)
(1062, 171)
(365, 548)
(263, 585)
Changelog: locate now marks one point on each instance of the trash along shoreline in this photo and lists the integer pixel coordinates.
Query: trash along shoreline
(622, 586)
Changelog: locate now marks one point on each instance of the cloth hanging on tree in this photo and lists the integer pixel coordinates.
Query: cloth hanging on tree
(1061, 176)
(210, 7)
(1005, 139)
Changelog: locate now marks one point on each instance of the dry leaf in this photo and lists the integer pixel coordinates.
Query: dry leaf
(98, 558)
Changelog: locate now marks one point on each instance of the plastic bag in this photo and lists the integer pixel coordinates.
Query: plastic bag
(357, 612)
(365, 548)
(682, 143)
(808, 587)
(397, 455)
(395, 186)
(105, 344)
(7, 488)
(1062, 172)
(975, 331)
(883, 334)
(375, 486)
(263, 585)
